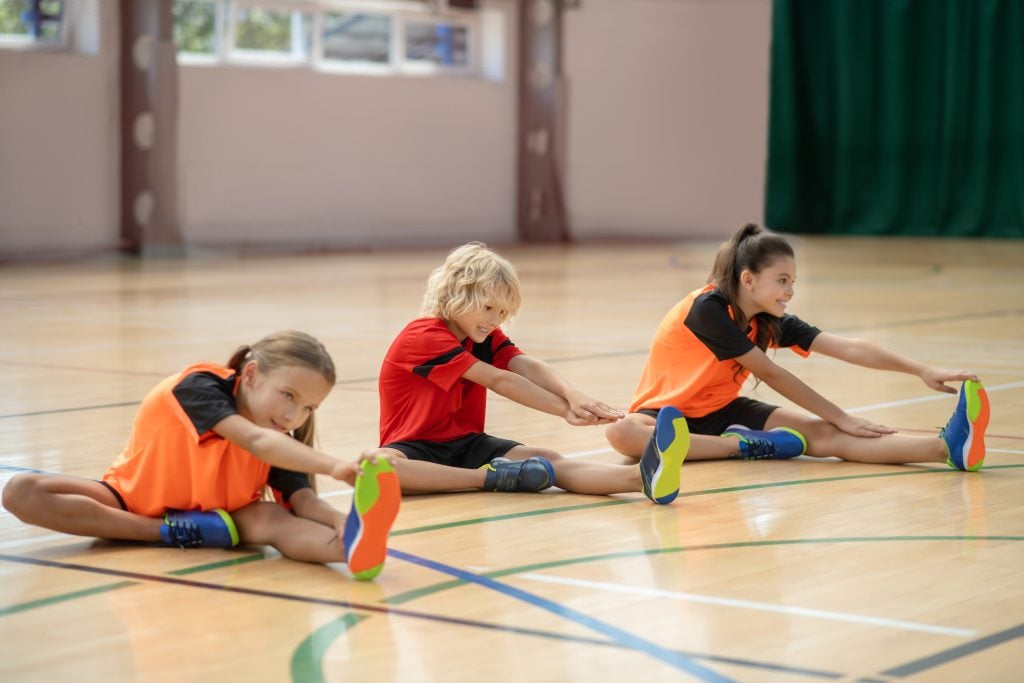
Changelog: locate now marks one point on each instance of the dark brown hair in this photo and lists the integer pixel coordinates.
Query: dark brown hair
(752, 248)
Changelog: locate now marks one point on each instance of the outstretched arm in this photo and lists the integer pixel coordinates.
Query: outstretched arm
(871, 355)
(282, 450)
(520, 389)
(787, 384)
(585, 408)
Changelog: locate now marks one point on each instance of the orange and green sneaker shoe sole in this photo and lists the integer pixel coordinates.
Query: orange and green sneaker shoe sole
(375, 504)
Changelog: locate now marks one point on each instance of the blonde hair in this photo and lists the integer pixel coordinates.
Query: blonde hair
(284, 349)
(472, 276)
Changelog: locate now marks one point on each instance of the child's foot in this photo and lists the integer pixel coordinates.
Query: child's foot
(774, 444)
(662, 459)
(375, 504)
(195, 528)
(532, 474)
(964, 434)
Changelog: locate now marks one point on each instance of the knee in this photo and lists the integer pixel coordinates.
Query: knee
(624, 436)
(549, 455)
(19, 492)
(819, 436)
(257, 522)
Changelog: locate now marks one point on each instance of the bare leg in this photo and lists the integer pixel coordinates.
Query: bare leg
(298, 538)
(77, 506)
(580, 476)
(631, 434)
(825, 440)
(418, 476)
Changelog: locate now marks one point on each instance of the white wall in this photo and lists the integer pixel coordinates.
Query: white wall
(667, 116)
(667, 126)
(59, 142)
(272, 157)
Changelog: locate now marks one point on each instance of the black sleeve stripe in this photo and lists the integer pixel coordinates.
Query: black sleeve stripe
(206, 399)
(424, 369)
(287, 482)
(507, 342)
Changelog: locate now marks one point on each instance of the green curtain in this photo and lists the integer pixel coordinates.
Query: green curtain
(897, 117)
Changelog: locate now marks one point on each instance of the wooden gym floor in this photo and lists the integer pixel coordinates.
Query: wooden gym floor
(798, 570)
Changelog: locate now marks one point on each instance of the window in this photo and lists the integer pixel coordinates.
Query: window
(196, 27)
(271, 34)
(442, 44)
(31, 22)
(359, 36)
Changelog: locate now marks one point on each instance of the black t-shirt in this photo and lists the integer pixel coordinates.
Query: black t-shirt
(709, 321)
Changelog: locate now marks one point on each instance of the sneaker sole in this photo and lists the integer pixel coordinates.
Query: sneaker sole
(375, 504)
(977, 418)
(672, 442)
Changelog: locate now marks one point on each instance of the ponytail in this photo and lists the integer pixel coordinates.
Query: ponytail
(752, 248)
(239, 357)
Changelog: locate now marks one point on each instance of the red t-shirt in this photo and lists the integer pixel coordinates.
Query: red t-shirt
(423, 396)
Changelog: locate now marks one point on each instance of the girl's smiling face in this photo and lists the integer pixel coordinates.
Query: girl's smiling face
(770, 290)
(281, 399)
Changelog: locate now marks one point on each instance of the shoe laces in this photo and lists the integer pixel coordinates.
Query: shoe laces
(184, 534)
(757, 449)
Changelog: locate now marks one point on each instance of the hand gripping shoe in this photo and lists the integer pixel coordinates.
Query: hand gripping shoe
(964, 434)
(375, 502)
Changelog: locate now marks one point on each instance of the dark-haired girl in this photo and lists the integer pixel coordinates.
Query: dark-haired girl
(709, 343)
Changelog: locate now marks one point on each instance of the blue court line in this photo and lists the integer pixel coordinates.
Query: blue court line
(624, 638)
(15, 468)
(939, 658)
(291, 597)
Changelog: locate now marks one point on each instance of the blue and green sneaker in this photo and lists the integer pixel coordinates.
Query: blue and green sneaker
(662, 459)
(195, 528)
(774, 444)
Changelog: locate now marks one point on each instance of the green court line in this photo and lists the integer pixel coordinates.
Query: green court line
(602, 504)
(688, 494)
(307, 660)
(405, 597)
(217, 565)
(53, 599)
(514, 515)
(538, 566)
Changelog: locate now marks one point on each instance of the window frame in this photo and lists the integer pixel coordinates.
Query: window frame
(399, 11)
(29, 43)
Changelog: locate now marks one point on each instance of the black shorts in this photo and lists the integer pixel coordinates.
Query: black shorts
(469, 452)
(740, 411)
(120, 500)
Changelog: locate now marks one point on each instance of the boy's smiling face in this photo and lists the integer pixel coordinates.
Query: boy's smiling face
(477, 322)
